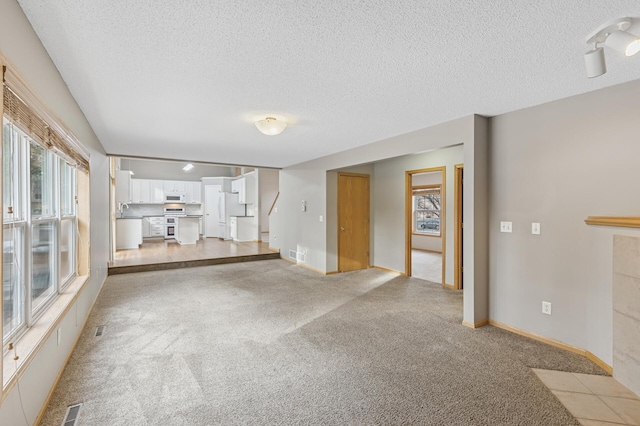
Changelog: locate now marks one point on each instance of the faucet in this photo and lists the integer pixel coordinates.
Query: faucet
(121, 207)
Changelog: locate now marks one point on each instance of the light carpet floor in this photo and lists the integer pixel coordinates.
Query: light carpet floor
(270, 343)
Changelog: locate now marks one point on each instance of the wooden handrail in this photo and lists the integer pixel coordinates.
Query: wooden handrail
(274, 203)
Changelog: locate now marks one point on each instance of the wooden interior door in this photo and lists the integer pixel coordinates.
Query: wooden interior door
(353, 222)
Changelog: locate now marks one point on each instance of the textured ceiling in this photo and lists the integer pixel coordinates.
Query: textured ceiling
(186, 79)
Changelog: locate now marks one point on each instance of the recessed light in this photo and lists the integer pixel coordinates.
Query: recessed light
(187, 167)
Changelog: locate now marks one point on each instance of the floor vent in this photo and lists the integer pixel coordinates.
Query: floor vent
(73, 412)
(100, 331)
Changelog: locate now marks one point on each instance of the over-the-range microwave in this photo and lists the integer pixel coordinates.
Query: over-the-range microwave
(175, 197)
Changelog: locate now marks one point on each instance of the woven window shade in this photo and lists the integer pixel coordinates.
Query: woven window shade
(48, 135)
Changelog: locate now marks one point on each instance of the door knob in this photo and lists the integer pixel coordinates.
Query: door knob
(342, 228)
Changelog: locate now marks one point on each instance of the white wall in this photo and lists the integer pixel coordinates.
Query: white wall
(21, 46)
(557, 164)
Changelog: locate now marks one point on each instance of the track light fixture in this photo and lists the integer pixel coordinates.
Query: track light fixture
(612, 34)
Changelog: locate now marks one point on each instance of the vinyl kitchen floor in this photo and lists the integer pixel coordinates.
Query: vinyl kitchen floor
(168, 254)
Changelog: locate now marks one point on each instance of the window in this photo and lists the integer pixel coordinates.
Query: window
(40, 228)
(426, 210)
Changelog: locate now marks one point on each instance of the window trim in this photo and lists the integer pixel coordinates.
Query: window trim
(415, 191)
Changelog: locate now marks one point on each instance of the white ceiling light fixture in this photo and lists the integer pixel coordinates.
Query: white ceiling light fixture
(271, 126)
(188, 167)
(612, 34)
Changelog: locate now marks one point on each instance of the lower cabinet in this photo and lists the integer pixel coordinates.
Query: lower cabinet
(128, 233)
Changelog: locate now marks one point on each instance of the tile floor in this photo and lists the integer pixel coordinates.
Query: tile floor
(593, 400)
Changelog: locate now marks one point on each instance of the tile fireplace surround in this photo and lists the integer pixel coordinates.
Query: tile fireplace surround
(626, 311)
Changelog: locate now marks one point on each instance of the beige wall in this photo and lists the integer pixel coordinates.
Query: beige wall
(23, 49)
(556, 164)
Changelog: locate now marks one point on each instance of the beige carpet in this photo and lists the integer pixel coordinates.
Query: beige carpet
(270, 343)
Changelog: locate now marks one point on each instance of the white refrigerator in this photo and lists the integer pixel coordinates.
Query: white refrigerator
(228, 206)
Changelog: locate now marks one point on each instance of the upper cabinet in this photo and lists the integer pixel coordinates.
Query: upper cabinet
(123, 186)
(245, 187)
(193, 190)
(175, 186)
(151, 191)
(147, 191)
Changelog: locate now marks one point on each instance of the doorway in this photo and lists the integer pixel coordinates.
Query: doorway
(353, 221)
(425, 229)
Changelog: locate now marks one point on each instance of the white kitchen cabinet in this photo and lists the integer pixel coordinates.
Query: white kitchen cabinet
(123, 186)
(156, 191)
(193, 192)
(243, 228)
(146, 227)
(187, 230)
(235, 185)
(175, 186)
(245, 187)
(128, 233)
(157, 225)
(141, 190)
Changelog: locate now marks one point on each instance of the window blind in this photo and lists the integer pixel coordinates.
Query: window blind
(48, 132)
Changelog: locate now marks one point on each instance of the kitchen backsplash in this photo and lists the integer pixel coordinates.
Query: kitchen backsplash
(157, 210)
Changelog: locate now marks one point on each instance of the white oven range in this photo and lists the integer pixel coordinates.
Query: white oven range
(171, 215)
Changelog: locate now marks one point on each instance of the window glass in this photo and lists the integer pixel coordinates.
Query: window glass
(427, 213)
(12, 206)
(12, 280)
(67, 189)
(41, 173)
(67, 249)
(42, 262)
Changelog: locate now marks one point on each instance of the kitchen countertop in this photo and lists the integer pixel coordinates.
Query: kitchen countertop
(129, 217)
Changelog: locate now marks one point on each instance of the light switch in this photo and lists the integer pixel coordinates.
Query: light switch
(535, 228)
(505, 226)
(303, 207)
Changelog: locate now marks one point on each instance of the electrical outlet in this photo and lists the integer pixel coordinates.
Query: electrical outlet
(535, 228)
(546, 308)
(505, 226)
(321, 218)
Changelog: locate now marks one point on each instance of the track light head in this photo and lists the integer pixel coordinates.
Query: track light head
(594, 61)
(612, 34)
(623, 42)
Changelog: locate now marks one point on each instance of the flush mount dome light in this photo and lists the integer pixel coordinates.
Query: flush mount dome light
(271, 126)
(188, 167)
(612, 34)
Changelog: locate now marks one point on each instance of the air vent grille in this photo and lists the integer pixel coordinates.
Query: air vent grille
(100, 331)
(293, 254)
(73, 412)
